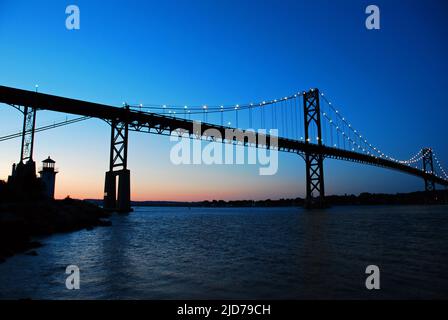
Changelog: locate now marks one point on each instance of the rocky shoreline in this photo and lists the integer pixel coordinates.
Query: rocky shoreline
(21, 221)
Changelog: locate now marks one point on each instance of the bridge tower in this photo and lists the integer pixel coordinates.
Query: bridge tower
(428, 167)
(29, 124)
(120, 202)
(25, 171)
(26, 166)
(313, 161)
(23, 179)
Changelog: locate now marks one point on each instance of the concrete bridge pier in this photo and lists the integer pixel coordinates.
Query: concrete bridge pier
(110, 191)
(118, 199)
(124, 191)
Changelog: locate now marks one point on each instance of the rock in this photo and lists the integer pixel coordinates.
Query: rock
(35, 245)
(32, 253)
(20, 221)
(104, 223)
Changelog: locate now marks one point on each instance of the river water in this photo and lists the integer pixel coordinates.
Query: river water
(243, 253)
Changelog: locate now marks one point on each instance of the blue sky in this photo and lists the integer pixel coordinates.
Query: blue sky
(390, 83)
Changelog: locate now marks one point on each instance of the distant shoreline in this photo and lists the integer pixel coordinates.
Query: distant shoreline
(413, 198)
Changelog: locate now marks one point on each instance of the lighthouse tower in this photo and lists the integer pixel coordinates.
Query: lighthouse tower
(48, 177)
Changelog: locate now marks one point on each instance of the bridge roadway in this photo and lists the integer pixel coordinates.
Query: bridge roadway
(165, 125)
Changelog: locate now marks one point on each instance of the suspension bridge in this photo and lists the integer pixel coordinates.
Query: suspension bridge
(306, 123)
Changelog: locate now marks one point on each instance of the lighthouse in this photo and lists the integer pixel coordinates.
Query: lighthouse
(48, 177)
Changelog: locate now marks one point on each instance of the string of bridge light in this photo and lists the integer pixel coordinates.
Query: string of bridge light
(344, 135)
(347, 136)
(205, 109)
(416, 158)
(356, 132)
(176, 109)
(440, 166)
(377, 150)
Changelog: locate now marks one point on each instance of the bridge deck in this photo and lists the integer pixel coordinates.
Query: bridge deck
(159, 124)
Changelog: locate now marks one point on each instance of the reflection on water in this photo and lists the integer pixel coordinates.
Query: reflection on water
(252, 253)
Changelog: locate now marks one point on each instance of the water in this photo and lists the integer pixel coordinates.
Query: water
(247, 253)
